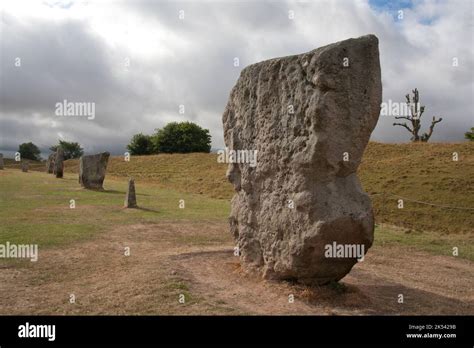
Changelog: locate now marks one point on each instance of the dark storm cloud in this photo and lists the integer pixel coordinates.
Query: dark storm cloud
(65, 61)
(58, 61)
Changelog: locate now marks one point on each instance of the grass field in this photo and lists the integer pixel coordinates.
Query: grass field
(188, 251)
(35, 207)
(420, 172)
(426, 173)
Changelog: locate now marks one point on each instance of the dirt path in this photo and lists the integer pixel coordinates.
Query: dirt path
(196, 260)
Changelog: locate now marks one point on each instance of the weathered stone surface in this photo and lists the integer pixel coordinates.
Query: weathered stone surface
(25, 165)
(59, 163)
(130, 197)
(92, 170)
(305, 114)
(50, 163)
(1, 161)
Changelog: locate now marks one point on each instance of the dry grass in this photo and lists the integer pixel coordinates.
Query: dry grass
(197, 173)
(33, 165)
(204, 270)
(189, 252)
(424, 172)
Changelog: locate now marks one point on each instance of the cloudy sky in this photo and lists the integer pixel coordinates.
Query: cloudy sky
(138, 61)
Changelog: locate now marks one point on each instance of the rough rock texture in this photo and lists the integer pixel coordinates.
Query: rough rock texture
(92, 170)
(130, 197)
(304, 114)
(1, 161)
(59, 163)
(25, 165)
(50, 163)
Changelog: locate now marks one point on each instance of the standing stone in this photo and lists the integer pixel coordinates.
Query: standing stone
(50, 163)
(92, 170)
(310, 117)
(1, 161)
(130, 198)
(59, 163)
(25, 166)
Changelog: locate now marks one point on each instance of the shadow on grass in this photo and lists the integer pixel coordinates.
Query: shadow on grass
(116, 192)
(146, 210)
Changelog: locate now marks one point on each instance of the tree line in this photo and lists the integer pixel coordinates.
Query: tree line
(182, 137)
(32, 152)
(185, 137)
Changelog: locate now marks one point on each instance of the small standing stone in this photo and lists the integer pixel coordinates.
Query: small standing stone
(59, 163)
(50, 163)
(24, 166)
(130, 197)
(1, 161)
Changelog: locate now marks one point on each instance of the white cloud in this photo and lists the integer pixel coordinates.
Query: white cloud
(77, 50)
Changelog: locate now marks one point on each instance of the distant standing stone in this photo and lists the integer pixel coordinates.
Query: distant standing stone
(1, 161)
(92, 170)
(24, 166)
(59, 163)
(130, 198)
(50, 163)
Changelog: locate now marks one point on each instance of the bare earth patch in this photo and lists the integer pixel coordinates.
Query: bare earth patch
(196, 260)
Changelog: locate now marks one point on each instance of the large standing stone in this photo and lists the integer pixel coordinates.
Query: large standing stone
(59, 163)
(1, 161)
(50, 163)
(92, 170)
(25, 166)
(310, 117)
(130, 197)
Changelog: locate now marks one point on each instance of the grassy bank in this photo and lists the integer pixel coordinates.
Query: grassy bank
(416, 172)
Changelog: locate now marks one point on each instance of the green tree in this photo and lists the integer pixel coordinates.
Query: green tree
(71, 150)
(182, 137)
(29, 151)
(140, 144)
(470, 135)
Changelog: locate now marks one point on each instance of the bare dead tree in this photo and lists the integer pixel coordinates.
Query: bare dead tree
(416, 111)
